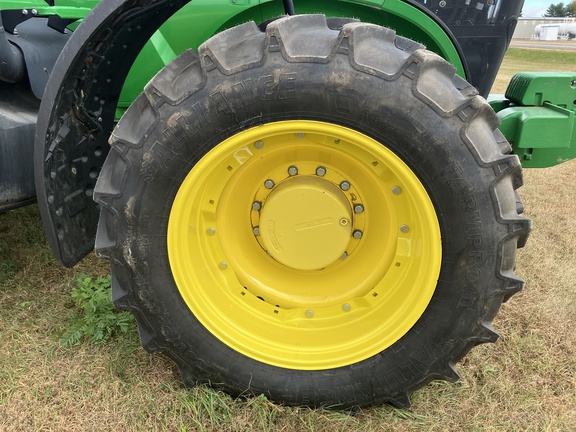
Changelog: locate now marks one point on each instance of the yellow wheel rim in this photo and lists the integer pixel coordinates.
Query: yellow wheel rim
(304, 245)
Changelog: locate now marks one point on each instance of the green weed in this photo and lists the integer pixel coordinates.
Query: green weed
(96, 319)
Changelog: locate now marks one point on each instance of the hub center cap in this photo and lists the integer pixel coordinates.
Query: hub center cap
(306, 223)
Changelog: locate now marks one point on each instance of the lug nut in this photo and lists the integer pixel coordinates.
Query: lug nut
(258, 144)
(357, 234)
(256, 205)
(292, 170)
(345, 185)
(321, 171)
(269, 184)
(404, 228)
(396, 190)
(211, 231)
(346, 307)
(309, 313)
(256, 230)
(358, 208)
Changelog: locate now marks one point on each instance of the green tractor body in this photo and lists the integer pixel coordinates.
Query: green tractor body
(319, 207)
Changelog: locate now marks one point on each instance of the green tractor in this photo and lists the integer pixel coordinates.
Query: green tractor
(310, 200)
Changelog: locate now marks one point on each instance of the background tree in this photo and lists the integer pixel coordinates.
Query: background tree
(558, 10)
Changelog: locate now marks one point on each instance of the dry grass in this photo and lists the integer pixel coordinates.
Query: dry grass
(527, 381)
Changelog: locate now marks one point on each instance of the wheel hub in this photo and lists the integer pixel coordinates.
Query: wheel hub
(306, 223)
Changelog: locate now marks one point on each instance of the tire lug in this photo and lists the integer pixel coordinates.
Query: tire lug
(358, 208)
(292, 170)
(345, 185)
(404, 228)
(357, 234)
(256, 230)
(256, 205)
(269, 184)
(321, 171)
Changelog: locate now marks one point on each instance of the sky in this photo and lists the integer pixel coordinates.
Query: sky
(537, 8)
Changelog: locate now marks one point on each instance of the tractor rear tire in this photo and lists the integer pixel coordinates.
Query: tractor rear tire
(324, 216)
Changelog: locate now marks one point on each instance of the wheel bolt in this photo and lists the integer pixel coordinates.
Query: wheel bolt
(258, 144)
(345, 185)
(344, 256)
(321, 171)
(404, 228)
(256, 230)
(256, 205)
(309, 313)
(269, 184)
(211, 231)
(346, 307)
(357, 234)
(292, 170)
(396, 190)
(358, 208)
(223, 265)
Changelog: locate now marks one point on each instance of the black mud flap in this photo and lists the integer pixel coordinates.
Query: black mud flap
(77, 116)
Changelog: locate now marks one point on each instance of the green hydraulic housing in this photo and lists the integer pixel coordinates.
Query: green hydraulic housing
(537, 116)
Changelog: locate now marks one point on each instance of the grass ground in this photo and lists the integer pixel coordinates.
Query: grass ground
(527, 381)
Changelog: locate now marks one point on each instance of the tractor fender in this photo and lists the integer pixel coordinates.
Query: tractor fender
(76, 117)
